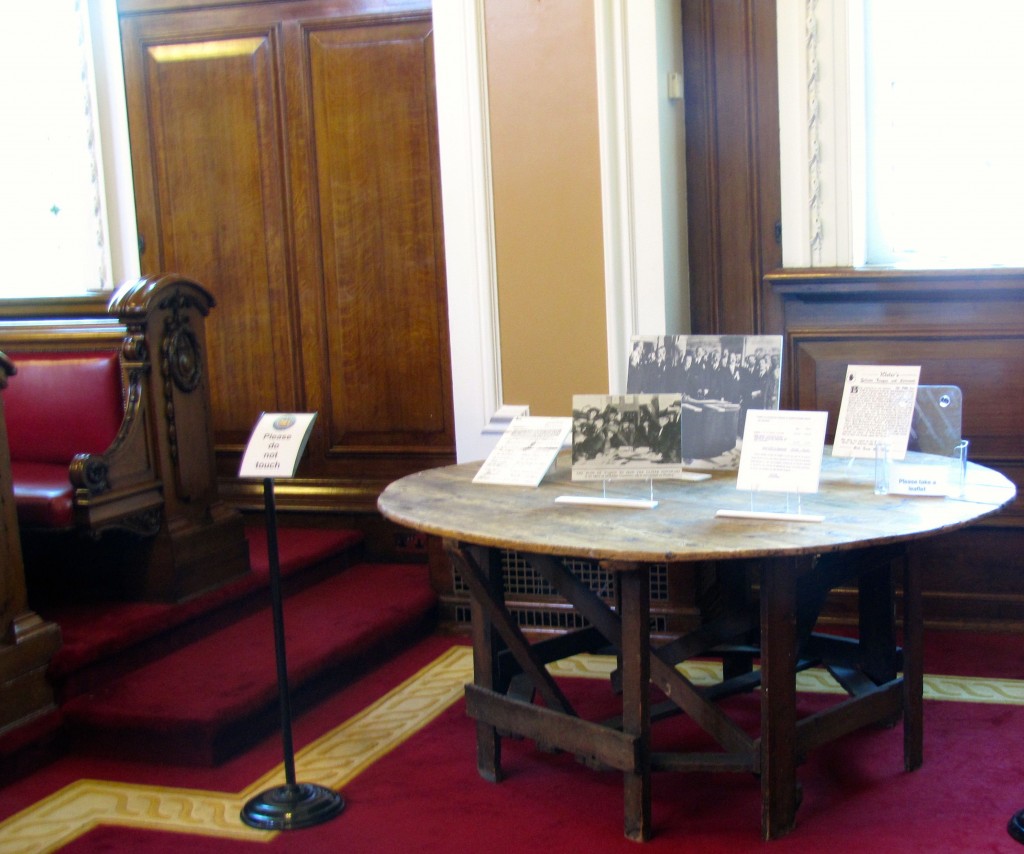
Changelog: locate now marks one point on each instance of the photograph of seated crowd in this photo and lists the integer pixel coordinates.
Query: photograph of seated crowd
(626, 429)
(720, 377)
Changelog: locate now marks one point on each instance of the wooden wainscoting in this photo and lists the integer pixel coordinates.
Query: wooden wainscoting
(285, 155)
(962, 327)
(733, 195)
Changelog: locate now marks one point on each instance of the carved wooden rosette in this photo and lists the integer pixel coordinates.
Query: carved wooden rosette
(181, 363)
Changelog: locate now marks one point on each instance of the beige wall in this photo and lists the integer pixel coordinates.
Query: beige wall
(547, 201)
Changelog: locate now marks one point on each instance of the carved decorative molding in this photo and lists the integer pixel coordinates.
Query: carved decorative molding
(182, 359)
(90, 123)
(813, 133)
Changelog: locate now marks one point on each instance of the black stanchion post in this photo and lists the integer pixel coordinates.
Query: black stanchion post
(1016, 826)
(292, 805)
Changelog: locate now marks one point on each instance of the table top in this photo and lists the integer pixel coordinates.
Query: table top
(683, 526)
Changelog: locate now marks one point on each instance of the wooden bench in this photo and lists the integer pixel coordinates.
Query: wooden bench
(108, 414)
(79, 451)
(27, 642)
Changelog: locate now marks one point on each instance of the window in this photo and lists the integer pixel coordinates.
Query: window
(944, 132)
(60, 194)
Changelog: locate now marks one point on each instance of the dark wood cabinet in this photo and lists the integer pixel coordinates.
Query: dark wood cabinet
(285, 156)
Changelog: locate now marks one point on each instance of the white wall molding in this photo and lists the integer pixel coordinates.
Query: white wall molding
(631, 81)
(466, 190)
(617, 200)
(820, 105)
(641, 289)
(116, 165)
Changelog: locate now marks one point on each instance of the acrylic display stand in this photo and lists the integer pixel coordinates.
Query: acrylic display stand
(604, 501)
(292, 805)
(637, 503)
(772, 515)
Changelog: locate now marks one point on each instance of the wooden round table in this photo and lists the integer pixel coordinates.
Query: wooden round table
(683, 527)
(478, 521)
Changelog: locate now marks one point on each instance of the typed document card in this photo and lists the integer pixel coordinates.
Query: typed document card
(525, 451)
(877, 409)
(276, 444)
(782, 451)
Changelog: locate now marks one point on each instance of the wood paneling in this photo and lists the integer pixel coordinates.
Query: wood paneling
(732, 159)
(376, 156)
(214, 172)
(962, 327)
(285, 156)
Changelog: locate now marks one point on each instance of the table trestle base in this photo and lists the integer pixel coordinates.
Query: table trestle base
(509, 671)
(593, 743)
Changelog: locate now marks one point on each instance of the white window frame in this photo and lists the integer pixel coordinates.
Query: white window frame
(122, 227)
(821, 132)
(114, 220)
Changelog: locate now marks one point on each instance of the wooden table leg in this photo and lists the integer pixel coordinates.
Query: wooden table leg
(636, 719)
(778, 696)
(486, 646)
(877, 620)
(913, 663)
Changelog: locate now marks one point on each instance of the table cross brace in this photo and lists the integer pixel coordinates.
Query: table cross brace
(675, 686)
(510, 632)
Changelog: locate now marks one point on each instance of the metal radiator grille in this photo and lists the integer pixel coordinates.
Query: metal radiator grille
(521, 579)
(540, 618)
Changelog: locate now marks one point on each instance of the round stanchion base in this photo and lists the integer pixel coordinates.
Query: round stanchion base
(290, 807)
(1016, 826)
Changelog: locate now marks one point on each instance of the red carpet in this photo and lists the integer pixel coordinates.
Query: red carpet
(92, 632)
(204, 702)
(425, 796)
(195, 682)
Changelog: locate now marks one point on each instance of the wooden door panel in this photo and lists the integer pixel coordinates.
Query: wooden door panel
(209, 140)
(386, 377)
(285, 156)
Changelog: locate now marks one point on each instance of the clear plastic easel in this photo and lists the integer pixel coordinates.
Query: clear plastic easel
(605, 500)
(793, 512)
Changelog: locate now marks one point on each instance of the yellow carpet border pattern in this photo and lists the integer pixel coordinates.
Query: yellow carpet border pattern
(338, 756)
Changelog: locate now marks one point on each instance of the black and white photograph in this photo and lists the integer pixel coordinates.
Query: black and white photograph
(625, 437)
(719, 378)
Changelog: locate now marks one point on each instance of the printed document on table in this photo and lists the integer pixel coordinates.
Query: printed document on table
(877, 408)
(525, 451)
(782, 451)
